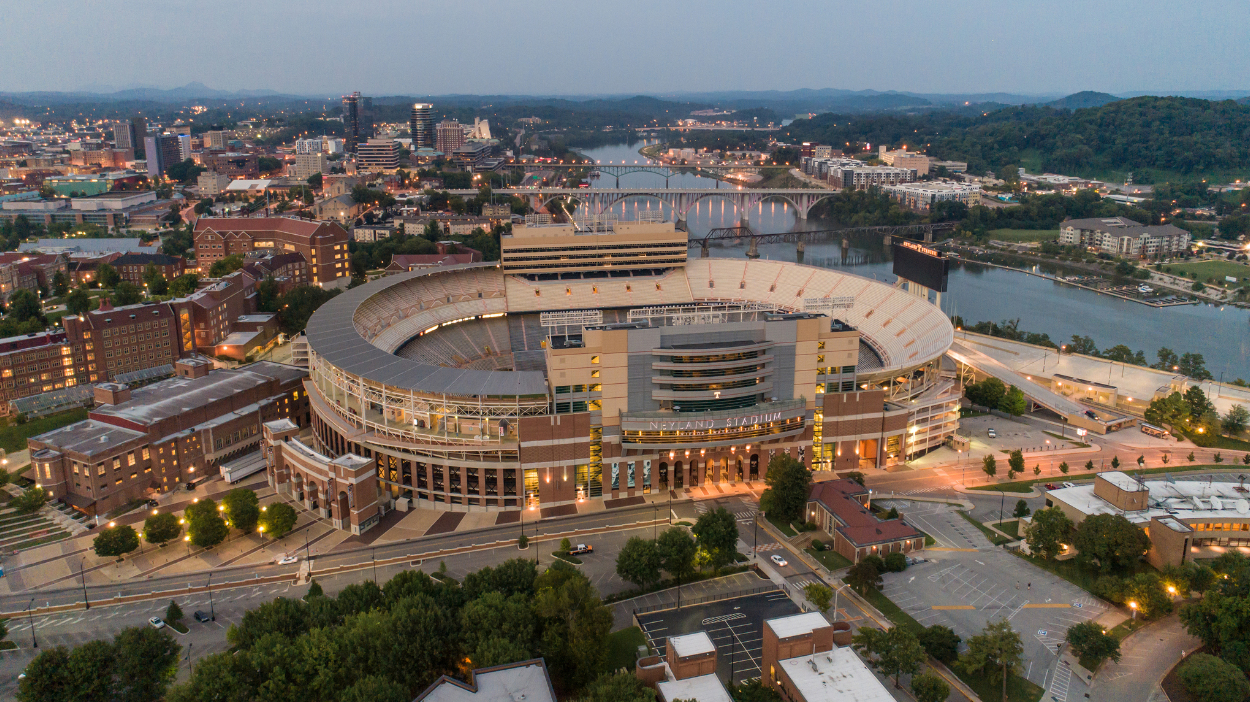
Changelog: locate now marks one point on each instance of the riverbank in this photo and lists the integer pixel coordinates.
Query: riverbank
(1101, 291)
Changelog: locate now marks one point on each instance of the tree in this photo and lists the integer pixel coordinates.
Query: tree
(147, 661)
(1111, 540)
(617, 687)
(1148, 592)
(895, 562)
(205, 525)
(1089, 465)
(1063, 467)
(1115, 462)
(184, 285)
(47, 677)
(278, 519)
(638, 562)
(755, 690)
(1194, 366)
(24, 305)
(894, 651)
(995, 653)
(929, 688)
(30, 501)
(78, 302)
(1211, 679)
(127, 293)
(717, 532)
(375, 688)
(1236, 419)
(161, 528)
(115, 541)
(173, 613)
(107, 276)
(989, 465)
(314, 591)
(1015, 461)
(242, 509)
(60, 284)
(677, 552)
(1014, 403)
(819, 595)
(1088, 639)
(1021, 510)
(225, 266)
(1171, 411)
(863, 576)
(987, 393)
(1198, 402)
(789, 483)
(1050, 529)
(941, 642)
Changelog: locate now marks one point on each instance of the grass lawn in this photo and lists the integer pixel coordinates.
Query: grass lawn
(13, 437)
(1011, 528)
(622, 648)
(996, 539)
(783, 527)
(7, 646)
(892, 611)
(1018, 688)
(1076, 574)
(1218, 442)
(564, 556)
(1061, 437)
(829, 559)
(1078, 473)
(1019, 236)
(1209, 269)
(178, 627)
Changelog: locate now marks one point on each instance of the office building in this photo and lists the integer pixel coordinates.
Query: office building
(217, 139)
(1120, 236)
(212, 182)
(524, 681)
(130, 135)
(807, 659)
(309, 164)
(184, 146)
(472, 156)
(378, 155)
(163, 151)
(450, 136)
(322, 244)
(357, 120)
(309, 146)
(421, 126)
(151, 440)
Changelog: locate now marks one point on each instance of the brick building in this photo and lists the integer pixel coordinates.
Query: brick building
(232, 165)
(132, 266)
(322, 244)
(343, 489)
(114, 340)
(840, 509)
(148, 441)
(287, 270)
(36, 363)
(24, 271)
(211, 310)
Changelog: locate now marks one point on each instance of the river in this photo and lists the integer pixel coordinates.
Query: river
(977, 293)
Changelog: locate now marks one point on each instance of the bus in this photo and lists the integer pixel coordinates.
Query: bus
(1154, 431)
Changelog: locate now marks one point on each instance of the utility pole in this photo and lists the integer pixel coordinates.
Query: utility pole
(212, 613)
(83, 574)
(30, 617)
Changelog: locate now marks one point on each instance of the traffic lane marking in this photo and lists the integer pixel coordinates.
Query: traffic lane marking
(952, 550)
(946, 607)
(1048, 605)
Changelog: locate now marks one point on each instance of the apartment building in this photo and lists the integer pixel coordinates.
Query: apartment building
(450, 136)
(1120, 236)
(24, 271)
(309, 146)
(287, 270)
(421, 126)
(309, 164)
(132, 266)
(922, 196)
(212, 182)
(32, 364)
(905, 159)
(149, 441)
(322, 244)
(110, 341)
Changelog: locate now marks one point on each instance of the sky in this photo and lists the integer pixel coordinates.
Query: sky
(438, 47)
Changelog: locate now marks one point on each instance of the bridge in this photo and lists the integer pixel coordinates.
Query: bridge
(664, 170)
(924, 231)
(681, 200)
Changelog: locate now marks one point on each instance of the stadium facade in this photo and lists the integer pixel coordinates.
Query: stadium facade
(595, 362)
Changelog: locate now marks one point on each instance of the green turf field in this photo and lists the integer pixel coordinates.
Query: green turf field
(1024, 235)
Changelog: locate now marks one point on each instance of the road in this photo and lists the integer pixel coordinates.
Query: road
(1146, 657)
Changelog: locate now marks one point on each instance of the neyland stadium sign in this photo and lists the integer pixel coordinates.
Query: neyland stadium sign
(730, 423)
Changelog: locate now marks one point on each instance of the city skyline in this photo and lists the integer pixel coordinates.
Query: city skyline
(1059, 48)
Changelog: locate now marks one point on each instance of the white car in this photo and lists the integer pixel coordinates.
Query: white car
(157, 623)
(287, 560)
(1067, 485)
(993, 434)
(778, 560)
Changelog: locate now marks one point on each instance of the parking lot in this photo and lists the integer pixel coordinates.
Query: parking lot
(968, 583)
(735, 626)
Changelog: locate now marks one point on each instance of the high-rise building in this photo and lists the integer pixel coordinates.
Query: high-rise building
(450, 136)
(163, 151)
(309, 146)
(421, 124)
(184, 146)
(216, 138)
(308, 164)
(357, 119)
(378, 155)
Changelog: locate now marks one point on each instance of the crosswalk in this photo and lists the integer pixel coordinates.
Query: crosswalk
(1059, 683)
(746, 516)
(922, 491)
(774, 546)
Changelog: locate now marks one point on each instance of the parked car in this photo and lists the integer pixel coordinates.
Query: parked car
(201, 617)
(911, 561)
(1067, 485)
(778, 560)
(1051, 486)
(287, 560)
(580, 549)
(992, 434)
(157, 623)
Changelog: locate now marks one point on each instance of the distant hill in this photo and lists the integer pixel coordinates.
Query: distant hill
(1085, 98)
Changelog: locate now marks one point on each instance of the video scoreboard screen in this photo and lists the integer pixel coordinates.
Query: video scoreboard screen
(921, 264)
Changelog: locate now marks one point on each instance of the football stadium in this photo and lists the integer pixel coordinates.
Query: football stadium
(597, 362)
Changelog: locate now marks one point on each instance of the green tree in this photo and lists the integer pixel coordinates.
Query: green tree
(1063, 468)
(161, 528)
(375, 688)
(1170, 411)
(115, 541)
(48, 677)
(789, 483)
(995, 653)
(107, 276)
(1021, 510)
(184, 285)
(717, 533)
(1236, 419)
(1089, 465)
(863, 576)
(60, 284)
(638, 562)
(278, 519)
(1148, 591)
(819, 595)
(91, 669)
(677, 552)
(1049, 530)
(127, 293)
(1088, 639)
(225, 266)
(989, 465)
(30, 501)
(205, 525)
(1115, 462)
(1015, 461)
(895, 562)
(895, 651)
(621, 686)
(173, 613)
(1111, 540)
(755, 690)
(242, 509)
(78, 302)
(23, 305)
(987, 393)
(929, 688)
(940, 642)
(1014, 403)
(1210, 679)
(575, 623)
(314, 591)
(1197, 401)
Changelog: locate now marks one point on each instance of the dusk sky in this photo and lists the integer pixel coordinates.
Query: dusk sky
(392, 47)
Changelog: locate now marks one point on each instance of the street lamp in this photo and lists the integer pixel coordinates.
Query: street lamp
(83, 574)
(30, 617)
(212, 613)
(836, 590)
(1133, 606)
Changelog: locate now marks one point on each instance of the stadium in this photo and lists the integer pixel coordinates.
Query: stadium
(596, 362)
